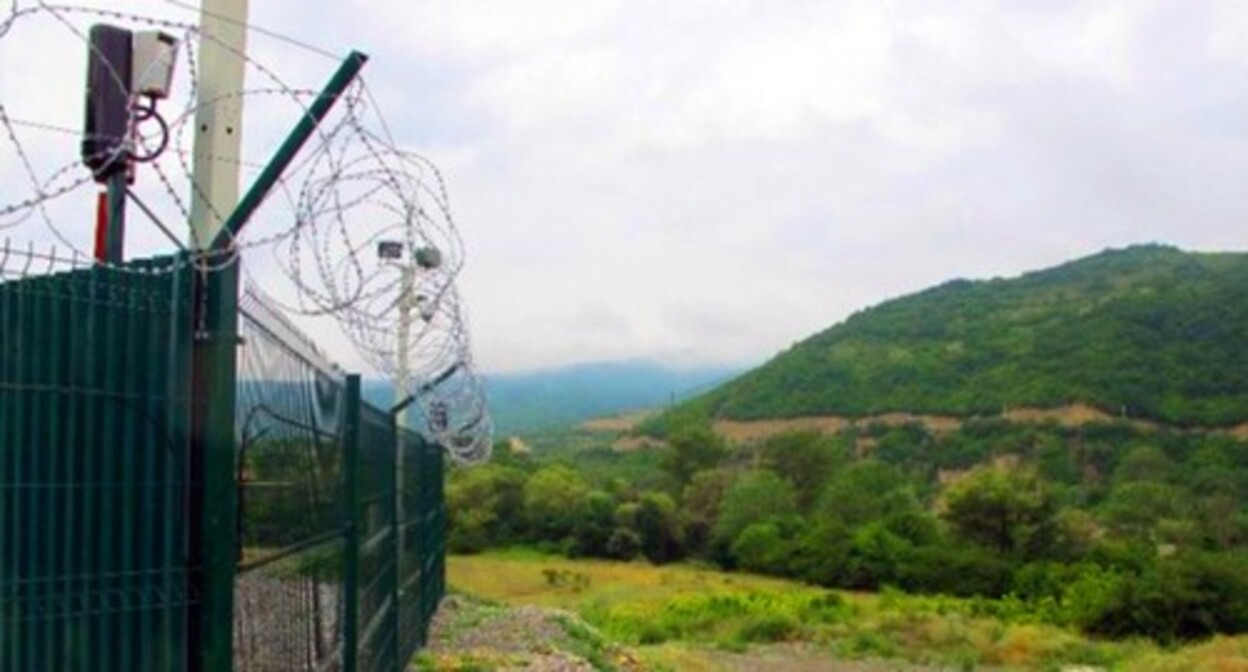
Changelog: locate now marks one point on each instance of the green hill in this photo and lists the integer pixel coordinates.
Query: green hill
(1152, 330)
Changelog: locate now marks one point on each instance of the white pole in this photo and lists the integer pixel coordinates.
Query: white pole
(407, 285)
(218, 117)
(402, 382)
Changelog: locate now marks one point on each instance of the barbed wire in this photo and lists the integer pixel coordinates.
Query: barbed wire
(358, 230)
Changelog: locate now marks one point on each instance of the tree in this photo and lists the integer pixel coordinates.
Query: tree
(658, 527)
(1134, 509)
(821, 552)
(1144, 463)
(594, 524)
(1075, 532)
(806, 459)
(860, 493)
(875, 557)
(1007, 509)
(761, 548)
(484, 505)
(756, 497)
(624, 544)
(692, 450)
(552, 498)
(700, 505)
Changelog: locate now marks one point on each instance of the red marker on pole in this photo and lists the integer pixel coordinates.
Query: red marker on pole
(101, 227)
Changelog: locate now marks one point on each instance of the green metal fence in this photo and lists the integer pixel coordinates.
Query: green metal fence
(323, 581)
(338, 513)
(94, 417)
(422, 536)
(292, 510)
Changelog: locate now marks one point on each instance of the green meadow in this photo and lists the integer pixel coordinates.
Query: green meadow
(687, 617)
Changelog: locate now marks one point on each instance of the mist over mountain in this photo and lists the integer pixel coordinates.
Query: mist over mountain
(552, 398)
(548, 399)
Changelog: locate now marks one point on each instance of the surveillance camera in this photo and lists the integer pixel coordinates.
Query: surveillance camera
(151, 64)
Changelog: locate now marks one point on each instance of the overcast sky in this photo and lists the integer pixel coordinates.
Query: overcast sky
(699, 181)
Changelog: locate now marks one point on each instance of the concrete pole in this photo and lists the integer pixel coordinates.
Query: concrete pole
(214, 197)
(407, 287)
(219, 117)
(403, 379)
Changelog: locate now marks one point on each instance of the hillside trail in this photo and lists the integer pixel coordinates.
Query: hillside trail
(749, 431)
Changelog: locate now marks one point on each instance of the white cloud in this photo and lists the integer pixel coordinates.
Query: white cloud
(712, 180)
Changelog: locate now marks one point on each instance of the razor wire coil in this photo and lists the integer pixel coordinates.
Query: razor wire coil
(316, 244)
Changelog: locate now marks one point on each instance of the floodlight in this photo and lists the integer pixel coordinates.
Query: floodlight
(428, 257)
(390, 249)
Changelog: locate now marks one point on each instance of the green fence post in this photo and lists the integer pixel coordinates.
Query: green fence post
(351, 551)
(396, 535)
(215, 546)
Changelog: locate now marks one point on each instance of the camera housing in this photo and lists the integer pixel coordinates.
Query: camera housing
(153, 55)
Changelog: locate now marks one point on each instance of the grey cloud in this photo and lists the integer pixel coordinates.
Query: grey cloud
(714, 181)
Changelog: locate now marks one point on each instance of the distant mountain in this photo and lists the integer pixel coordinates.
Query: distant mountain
(552, 398)
(1150, 330)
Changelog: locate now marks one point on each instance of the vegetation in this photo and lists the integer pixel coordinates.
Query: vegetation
(1109, 529)
(1148, 331)
(1115, 529)
(681, 617)
(471, 633)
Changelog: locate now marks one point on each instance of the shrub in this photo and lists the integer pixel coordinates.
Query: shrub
(769, 628)
(624, 544)
(955, 570)
(1181, 598)
(760, 548)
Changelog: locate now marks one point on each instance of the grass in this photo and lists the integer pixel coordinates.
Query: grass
(674, 614)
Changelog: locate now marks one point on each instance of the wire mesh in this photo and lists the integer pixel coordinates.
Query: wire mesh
(422, 539)
(94, 415)
(378, 576)
(298, 526)
(95, 380)
(292, 513)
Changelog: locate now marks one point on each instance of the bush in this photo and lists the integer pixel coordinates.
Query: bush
(760, 548)
(769, 628)
(624, 544)
(826, 608)
(1181, 598)
(755, 497)
(955, 570)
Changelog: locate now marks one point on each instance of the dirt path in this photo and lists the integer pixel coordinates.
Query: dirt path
(471, 634)
(798, 658)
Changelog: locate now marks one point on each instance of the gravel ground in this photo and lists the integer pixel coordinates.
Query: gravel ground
(276, 623)
(467, 633)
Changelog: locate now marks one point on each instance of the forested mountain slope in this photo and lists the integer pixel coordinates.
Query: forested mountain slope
(1151, 331)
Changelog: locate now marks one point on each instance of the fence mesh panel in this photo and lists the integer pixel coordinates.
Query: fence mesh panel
(288, 594)
(94, 417)
(377, 560)
(97, 522)
(422, 539)
(294, 515)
